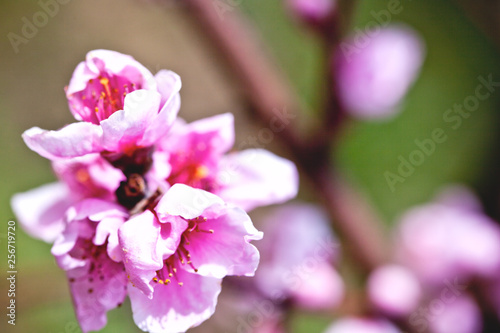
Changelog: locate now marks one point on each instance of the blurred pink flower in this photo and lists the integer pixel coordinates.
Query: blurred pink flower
(120, 107)
(197, 155)
(373, 73)
(362, 325)
(297, 258)
(88, 251)
(40, 211)
(394, 290)
(460, 316)
(446, 240)
(177, 254)
(312, 11)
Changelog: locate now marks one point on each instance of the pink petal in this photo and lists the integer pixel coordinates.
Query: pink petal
(321, 288)
(362, 325)
(462, 315)
(112, 62)
(169, 85)
(95, 210)
(174, 308)
(89, 176)
(145, 244)
(374, 73)
(256, 177)
(41, 211)
(96, 288)
(107, 230)
(298, 252)
(394, 289)
(76, 139)
(185, 201)
(227, 250)
(126, 127)
(211, 136)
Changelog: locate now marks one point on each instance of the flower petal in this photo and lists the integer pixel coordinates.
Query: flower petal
(185, 201)
(210, 137)
(96, 288)
(175, 308)
(256, 177)
(76, 139)
(145, 244)
(126, 127)
(169, 85)
(111, 62)
(41, 211)
(227, 250)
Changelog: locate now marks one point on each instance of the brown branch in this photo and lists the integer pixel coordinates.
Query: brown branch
(266, 90)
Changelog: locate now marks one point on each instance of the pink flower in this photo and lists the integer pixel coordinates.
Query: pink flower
(297, 256)
(462, 315)
(394, 290)
(121, 106)
(251, 178)
(447, 239)
(177, 254)
(374, 72)
(362, 325)
(41, 210)
(312, 11)
(88, 251)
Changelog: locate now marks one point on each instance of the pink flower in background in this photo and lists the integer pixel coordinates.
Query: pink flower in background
(197, 155)
(446, 239)
(362, 325)
(312, 11)
(394, 290)
(120, 105)
(446, 250)
(297, 258)
(88, 251)
(177, 254)
(375, 72)
(462, 315)
(41, 210)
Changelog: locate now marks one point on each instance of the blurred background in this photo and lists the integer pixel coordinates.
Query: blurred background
(462, 43)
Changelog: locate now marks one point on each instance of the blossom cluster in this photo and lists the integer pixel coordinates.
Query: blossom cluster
(147, 205)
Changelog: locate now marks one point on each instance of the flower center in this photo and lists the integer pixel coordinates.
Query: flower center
(102, 97)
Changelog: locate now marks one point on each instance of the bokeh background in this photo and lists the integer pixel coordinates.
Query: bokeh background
(461, 41)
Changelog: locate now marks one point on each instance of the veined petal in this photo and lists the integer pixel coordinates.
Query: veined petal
(41, 211)
(175, 308)
(76, 139)
(256, 177)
